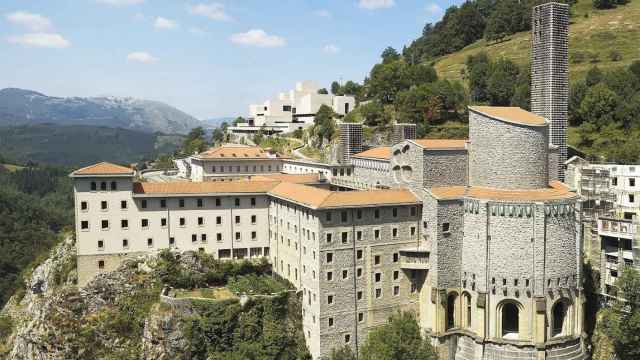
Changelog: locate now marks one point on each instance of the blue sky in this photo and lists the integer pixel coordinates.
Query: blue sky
(208, 58)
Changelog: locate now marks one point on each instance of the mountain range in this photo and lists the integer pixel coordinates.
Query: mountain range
(26, 107)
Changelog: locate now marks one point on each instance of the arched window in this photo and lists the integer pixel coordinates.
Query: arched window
(451, 311)
(559, 321)
(510, 321)
(467, 305)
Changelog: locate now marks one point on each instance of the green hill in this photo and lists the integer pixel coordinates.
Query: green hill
(595, 36)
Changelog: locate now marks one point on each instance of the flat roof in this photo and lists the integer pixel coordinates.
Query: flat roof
(103, 169)
(441, 144)
(555, 191)
(510, 114)
(379, 153)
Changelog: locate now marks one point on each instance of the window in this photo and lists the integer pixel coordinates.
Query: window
(163, 222)
(150, 242)
(614, 181)
(345, 274)
(125, 243)
(396, 290)
(114, 185)
(124, 223)
(445, 227)
(143, 204)
(329, 258)
(172, 241)
(376, 213)
(632, 182)
(359, 214)
(359, 272)
(237, 219)
(345, 237)
(183, 221)
(330, 322)
(396, 257)
(343, 216)
(181, 203)
(103, 186)
(378, 277)
(632, 198)
(394, 232)
(218, 220)
(237, 201)
(395, 212)
(467, 301)
(200, 221)
(123, 204)
(203, 237)
(329, 275)
(217, 202)
(414, 211)
(347, 337)
(376, 260)
(105, 224)
(84, 225)
(103, 205)
(510, 321)
(413, 231)
(360, 317)
(199, 203)
(194, 237)
(253, 201)
(559, 312)
(359, 295)
(163, 203)
(100, 264)
(359, 254)
(219, 237)
(378, 293)
(329, 299)
(450, 314)
(238, 238)
(396, 275)
(328, 216)
(328, 238)
(84, 206)
(100, 244)
(93, 186)
(254, 235)
(376, 234)
(359, 235)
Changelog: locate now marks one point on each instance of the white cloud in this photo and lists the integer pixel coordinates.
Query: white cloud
(198, 31)
(142, 57)
(33, 22)
(376, 4)
(213, 11)
(323, 13)
(120, 2)
(331, 49)
(46, 40)
(259, 38)
(164, 23)
(434, 10)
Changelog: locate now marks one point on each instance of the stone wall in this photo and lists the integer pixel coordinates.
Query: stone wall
(445, 167)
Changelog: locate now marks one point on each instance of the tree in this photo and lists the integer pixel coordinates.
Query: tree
(372, 113)
(335, 88)
(522, 92)
(343, 353)
(386, 80)
(323, 91)
(218, 136)
(479, 70)
(508, 17)
(420, 74)
(399, 339)
(577, 93)
(351, 88)
(594, 76)
(324, 126)
(389, 55)
(622, 322)
(603, 4)
(599, 105)
(500, 85)
(635, 68)
(194, 142)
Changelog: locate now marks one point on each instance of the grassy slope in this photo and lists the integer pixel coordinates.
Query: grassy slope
(599, 33)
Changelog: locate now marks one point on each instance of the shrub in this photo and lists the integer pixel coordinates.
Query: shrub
(615, 55)
(6, 326)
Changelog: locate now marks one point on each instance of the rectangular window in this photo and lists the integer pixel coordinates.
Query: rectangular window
(345, 237)
(359, 214)
(200, 221)
(218, 202)
(376, 234)
(103, 205)
(237, 201)
(396, 275)
(100, 244)
(328, 238)
(238, 236)
(103, 186)
(329, 299)
(413, 230)
(395, 212)
(396, 257)
(359, 253)
(218, 220)
(396, 290)
(359, 295)
(445, 227)
(359, 235)
(330, 322)
(376, 213)
(345, 274)
(105, 224)
(100, 264)
(254, 219)
(394, 232)
(632, 198)
(84, 205)
(144, 223)
(378, 293)
(194, 237)
(219, 237)
(163, 222)
(123, 204)
(254, 235)
(237, 219)
(359, 272)
(329, 258)
(125, 243)
(614, 181)
(329, 275)
(93, 186)
(163, 203)
(84, 225)
(183, 221)
(253, 201)
(114, 185)
(632, 182)
(203, 237)
(150, 242)
(376, 260)
(172, 241)
(124, 223)
(199, 203)
(181, 203)
(143, 204)
(378, 277)
(360, 317)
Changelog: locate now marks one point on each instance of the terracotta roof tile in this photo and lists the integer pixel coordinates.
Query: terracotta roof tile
(103, 168)
(555, 191)
(383, 152)
(184, 187)
(441, 144)
(321, 198)
(237, 152)
(510, 114)
(292, 178)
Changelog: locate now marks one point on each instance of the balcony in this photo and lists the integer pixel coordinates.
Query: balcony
(414, 259)
(617, 228)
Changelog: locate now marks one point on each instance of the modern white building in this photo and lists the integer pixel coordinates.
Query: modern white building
(291, 110)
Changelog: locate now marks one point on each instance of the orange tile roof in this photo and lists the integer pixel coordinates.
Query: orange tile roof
(510, 114)
(184, 187)
(322, 198)
(383, 152)
(555, 191)
(237, 152)
(103, 168)
(292, 178)
(441, 144)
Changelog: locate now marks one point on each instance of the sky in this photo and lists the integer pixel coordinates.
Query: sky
(207, 58)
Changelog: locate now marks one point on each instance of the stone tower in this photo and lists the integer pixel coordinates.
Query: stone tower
(350, 140)
(550, 72)
(402, 132)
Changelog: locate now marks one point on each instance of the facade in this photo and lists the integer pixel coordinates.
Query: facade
(331, 172)
(619, 247)
(292, 110)
(550, 72)
(403, 132)
(351, 139)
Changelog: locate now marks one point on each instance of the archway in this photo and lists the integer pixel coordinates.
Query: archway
(510, 321)
(467, 309)
(451, 310)
(559, 320)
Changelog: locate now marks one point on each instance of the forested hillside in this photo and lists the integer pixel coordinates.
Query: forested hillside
(35, 205)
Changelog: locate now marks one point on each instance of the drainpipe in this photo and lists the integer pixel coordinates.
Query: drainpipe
(355, 298)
